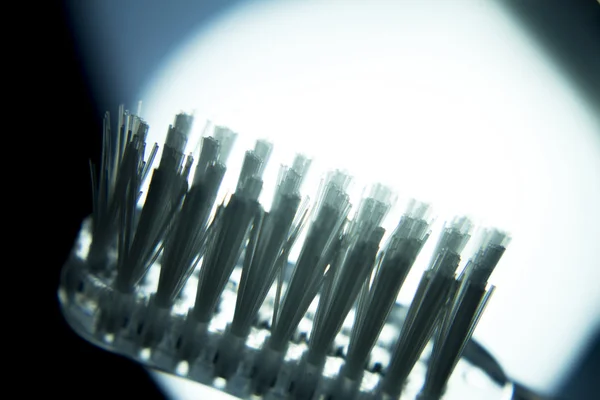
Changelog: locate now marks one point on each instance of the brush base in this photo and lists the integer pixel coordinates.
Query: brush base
(171, 341)
(270, 362)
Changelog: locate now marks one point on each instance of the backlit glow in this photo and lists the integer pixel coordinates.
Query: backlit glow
(448, 102)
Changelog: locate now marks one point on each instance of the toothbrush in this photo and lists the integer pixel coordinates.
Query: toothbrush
(204, 287)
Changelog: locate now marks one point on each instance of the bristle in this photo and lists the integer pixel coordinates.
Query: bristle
(226, 138)
(148, 164)
(436, 286)
(353, 265)
(344, 280)
(317, 253)
(464, 313)
(186, 243)
(229, 234)
(122, 175)
(208, 156)
(263, 150)
(134, 288)
(106, 203)
(376, 303)
(164, 196)
(188, 235)
(137, 240)
(263, 260)
(176, 142)
(260, 267)
(455, 237)
(121, 135)
(297, 226)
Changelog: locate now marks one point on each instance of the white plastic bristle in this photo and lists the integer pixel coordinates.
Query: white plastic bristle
(454, 238)
(241, 323)
(209, 152)
(464, 312)
(457, 235)
(164, 195)
(140, 129)
(350, 270)
(183, 126)
(262, 260)
(491, 246)
(317, 252)
(106, 177)
(435, 289)
(371, 211)
(226, 138)
(238, 218)
(138, 243)
(176, 142)
(263, 150)
(377, 301)
(187, 167)
(333, 190)
(419, 210)
(120, 140)
(290, 180)
(104, 218)
(188, 235)
(251, 168)
(176, 139)
(149, 162)
(301, 164)
(250, 179)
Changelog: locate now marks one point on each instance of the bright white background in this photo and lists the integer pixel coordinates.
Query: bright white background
(448, 102)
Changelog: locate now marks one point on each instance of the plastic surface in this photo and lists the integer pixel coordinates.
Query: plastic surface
(133, 326)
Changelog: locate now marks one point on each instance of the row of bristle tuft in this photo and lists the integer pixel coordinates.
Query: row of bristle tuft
(342, 261)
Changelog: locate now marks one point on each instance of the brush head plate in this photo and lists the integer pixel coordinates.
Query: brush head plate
(122, 323)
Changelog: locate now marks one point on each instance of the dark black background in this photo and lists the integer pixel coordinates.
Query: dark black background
(60, 121)
(59, 118)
